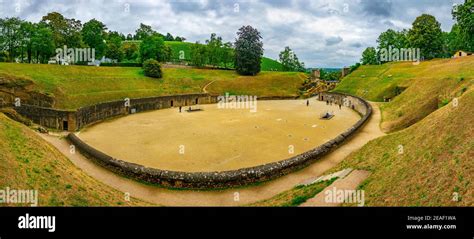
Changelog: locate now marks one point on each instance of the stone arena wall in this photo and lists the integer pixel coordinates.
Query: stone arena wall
(78, 119)
(224, 179)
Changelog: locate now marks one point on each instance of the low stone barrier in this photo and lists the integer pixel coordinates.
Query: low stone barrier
(233, 178)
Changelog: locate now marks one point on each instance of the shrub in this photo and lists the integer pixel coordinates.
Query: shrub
(152, 68)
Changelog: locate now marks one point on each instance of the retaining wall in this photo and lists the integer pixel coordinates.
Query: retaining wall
(75, 120)
(234, 178)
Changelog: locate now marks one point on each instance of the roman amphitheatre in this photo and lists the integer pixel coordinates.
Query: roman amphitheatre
(215, 139)
(270, 157)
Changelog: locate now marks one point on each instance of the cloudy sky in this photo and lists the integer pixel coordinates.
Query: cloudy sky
(323, 33)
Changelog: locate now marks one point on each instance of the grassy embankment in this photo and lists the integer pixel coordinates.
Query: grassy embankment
(424, 87)
(427, 159)
(77, 86)
(27, 162)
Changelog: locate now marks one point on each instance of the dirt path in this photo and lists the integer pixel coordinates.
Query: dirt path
(350, 182)
(228, 197)
(204, 89)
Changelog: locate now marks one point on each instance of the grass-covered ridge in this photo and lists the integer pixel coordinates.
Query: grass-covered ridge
(77, 86)
(415, 90)
(427, 164)
(27, 162)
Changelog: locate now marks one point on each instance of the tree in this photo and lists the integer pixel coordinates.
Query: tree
(93, 34)
(130, 50)
(290, 61)
(369, 56)
(181, 39)
(214, 45)
(227, 54)
(42, 43)
(167, 53)
(248, 51)
(453, 41)
(152, 68)
(199, 54)
(144, 31)
(392, 39)
(66, 32)
(464, 15)
(152, 47)
(169, 37)
(114, 46)
(426, 34)
(26, 32)
(10, 36)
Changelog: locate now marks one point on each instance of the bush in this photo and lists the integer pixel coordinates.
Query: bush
(152, 68)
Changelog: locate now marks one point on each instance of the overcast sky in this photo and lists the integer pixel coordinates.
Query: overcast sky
(323, 33)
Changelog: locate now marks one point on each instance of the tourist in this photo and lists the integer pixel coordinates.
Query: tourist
(307, 102)
(179, 109)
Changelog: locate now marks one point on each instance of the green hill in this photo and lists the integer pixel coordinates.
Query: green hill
(435, 165)
(431, 110)
(76, 86)
(419, 89)
(27, 162)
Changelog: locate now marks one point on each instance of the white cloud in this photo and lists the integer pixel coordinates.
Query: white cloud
(304, 25)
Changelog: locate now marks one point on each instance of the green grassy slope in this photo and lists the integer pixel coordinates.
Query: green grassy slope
(177, 47)
(271, 65)
(423, 87)
(435, 164)
(77, 86)
(27, 162)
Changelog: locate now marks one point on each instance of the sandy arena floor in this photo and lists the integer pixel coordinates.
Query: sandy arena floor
(219, 139)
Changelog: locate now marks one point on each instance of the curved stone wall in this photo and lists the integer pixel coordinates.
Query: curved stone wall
(234, 178)
(72, 120)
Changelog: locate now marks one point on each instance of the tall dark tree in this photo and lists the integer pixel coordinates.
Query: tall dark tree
(248, 51)
(426, 34)
(94, 34)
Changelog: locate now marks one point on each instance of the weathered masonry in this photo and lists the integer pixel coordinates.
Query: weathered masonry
(77, 119)
(233, 178)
